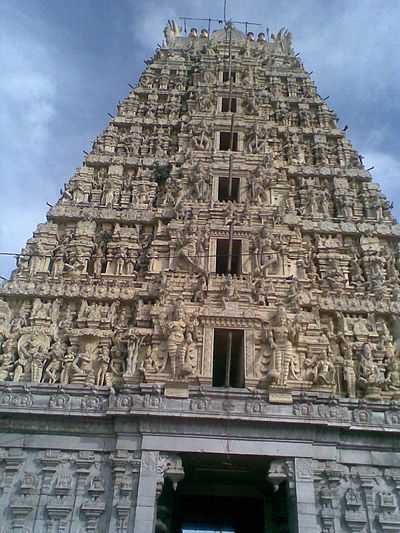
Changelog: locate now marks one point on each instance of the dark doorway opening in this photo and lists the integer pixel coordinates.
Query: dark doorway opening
(229, 105)
(226, 76)
(222, 259)
(224, 494)
(228, 358)
(223, 190)
(228, 141)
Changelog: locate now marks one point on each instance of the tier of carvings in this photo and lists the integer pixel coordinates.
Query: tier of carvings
(120, 286)
(357, 498)
(56, 491)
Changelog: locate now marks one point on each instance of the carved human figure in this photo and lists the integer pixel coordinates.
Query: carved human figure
(120, 263)
(293, 295)
(98, 260)
(250, 103)
(283, 339)
(324, 370)
(39, 260)
(370, 374)
(333, 278)
(259, 291)
(269, 361)
(202, 136)
(67, 366)
(32, 356)
(392, 378)
(40, 310)
(349, 376)
(200, 291)
(5, 321)
(266, 253)
(130, 263)
(52, 372)
(82, 370)
(200, 181)
(186, 249)
(258, 186)
(117, 367)
(392, 273)
(37, 362)
(108, 193)
(356, 273)
(154, 361)
(256, 139)
(57, 267)
(7, 364)
(175, 330)
(230, 292)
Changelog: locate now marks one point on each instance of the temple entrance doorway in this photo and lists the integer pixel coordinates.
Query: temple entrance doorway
(223, 494)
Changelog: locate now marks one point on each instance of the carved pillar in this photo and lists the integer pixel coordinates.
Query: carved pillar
(124, 476)
(306, 508)
(212, 255)
(13, 462)
(155, 468)
(206, 371)
(246, 257)
(282, 470)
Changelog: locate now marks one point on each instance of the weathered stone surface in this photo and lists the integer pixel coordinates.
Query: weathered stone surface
(107, 327)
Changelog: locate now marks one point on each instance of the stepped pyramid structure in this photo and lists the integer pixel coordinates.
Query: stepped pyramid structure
(204, 332)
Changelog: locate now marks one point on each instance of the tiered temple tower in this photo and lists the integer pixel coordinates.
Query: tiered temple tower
(208, 320)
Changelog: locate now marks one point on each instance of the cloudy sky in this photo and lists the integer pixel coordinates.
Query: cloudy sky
(65, 65)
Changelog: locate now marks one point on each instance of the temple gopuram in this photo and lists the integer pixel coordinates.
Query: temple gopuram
(204, 335)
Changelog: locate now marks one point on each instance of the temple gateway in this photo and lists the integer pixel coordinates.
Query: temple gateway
(203, 336)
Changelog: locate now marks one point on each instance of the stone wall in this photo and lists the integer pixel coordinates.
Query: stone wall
(99, 465)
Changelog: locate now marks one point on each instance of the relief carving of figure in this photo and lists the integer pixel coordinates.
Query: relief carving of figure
(190, 356)
(258, 186)
(186, 249)
(102, 364)
(230, 292)
(333, 278)
(256, 139)
(7, 358)
(266, 253)
(356, 273)
(200, 291)
(370, 375)
(176, 331)
(202, 136)
(5, 321)
(281, 362)
(200, 182)
(32, 356)
(53, 370)
(321, 370)
(117, 366)
(67, 366)
(82, 370)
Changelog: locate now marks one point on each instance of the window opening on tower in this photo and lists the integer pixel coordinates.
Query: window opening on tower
(222, 259)
(229, 75)
(225, 141)
(228, 358)
(229, 105)
(223, 189)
